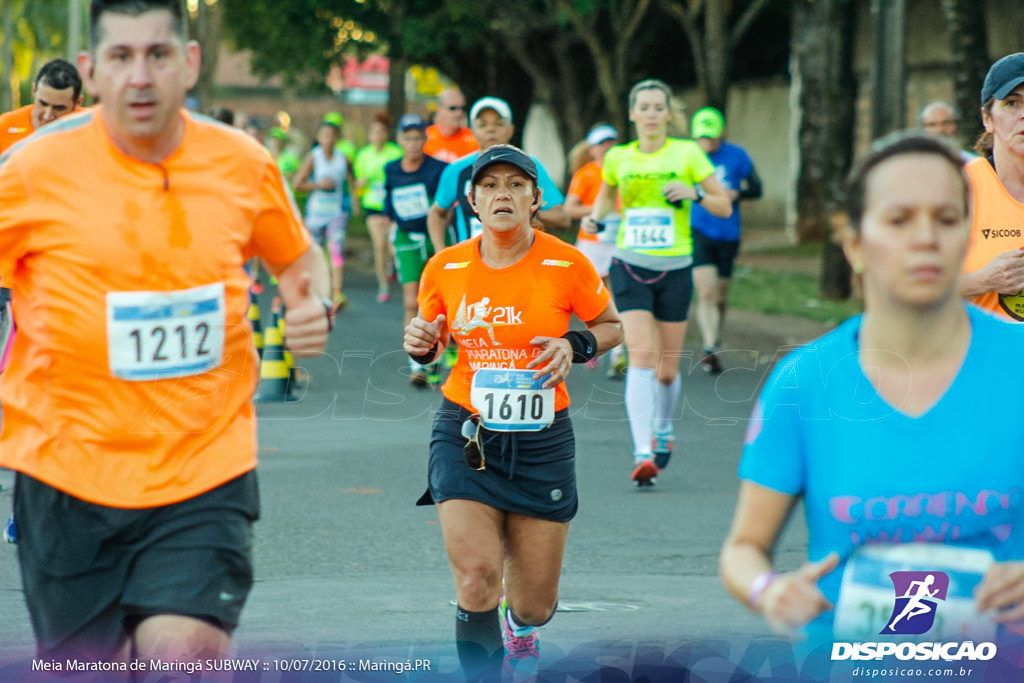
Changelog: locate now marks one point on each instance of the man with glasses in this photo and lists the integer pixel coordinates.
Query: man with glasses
(449, 139)
(943, 119)
(491, 121)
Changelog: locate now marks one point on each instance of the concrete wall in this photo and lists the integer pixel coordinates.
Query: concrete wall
(759, 122)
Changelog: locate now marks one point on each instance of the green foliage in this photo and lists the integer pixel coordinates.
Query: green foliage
(783, 292)
(290, 38)
(40, 34)
(568, 54)
(42, 24)
(297, 37)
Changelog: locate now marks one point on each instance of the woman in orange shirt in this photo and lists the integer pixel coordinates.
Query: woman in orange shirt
(502, 449)
(579, 200)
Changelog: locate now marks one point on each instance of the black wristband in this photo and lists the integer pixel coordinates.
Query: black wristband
(583, 343)
(428, 357)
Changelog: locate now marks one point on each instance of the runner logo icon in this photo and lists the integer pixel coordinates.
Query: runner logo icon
(917, 594)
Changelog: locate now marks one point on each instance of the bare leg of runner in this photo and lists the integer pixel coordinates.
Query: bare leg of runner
(473, 540)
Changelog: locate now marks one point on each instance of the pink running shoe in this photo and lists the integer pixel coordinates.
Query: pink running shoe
(517, 647)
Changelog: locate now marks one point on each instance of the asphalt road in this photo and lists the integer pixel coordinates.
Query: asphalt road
(348, 568)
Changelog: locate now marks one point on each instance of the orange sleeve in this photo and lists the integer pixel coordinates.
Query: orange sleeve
(590, 295)
(430, 301)
(15, 126)
(576, 185)
(278, 234)
(15, 217)
(585, 184)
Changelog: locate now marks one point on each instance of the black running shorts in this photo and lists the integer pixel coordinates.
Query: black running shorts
(92, 572)
(712, 252)
(665, 293)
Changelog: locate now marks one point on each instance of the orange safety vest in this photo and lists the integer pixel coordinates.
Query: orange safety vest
(998, 226)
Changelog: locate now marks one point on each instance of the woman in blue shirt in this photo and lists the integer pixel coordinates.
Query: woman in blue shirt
(879, 427)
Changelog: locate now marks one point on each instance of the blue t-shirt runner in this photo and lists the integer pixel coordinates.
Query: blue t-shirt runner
(943, 491)
(732, 167)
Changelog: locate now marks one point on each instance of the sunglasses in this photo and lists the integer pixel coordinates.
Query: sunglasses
(473, 451)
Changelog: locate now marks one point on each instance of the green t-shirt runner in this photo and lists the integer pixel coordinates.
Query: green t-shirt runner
(369, 166)
(651, 227)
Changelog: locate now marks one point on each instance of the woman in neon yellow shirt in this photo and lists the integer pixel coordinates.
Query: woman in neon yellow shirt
(369, 173)
(657, 179)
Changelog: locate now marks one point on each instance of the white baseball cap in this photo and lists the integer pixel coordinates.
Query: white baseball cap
(496, 103)
(601, 133)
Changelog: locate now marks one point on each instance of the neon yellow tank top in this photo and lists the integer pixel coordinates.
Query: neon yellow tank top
(650, 225)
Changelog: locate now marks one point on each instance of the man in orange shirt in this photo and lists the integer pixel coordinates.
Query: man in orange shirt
(128, 412)
(56, 92)
(449, 139)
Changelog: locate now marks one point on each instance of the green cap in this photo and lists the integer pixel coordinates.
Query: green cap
(334, 118)
(707, 123)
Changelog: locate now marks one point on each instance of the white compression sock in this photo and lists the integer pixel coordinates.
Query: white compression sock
(640, 400)
(665, 404)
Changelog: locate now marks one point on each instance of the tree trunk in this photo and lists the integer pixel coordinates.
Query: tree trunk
(397, 66)
(6, 91)
(571, 117)
(612, 62)
(208, 33)
(687, 21)
(74, 30)
(968, 38)
(716, 53)
(712, 48)
(824, 96)
(888, 67)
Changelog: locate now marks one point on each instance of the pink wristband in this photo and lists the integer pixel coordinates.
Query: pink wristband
(757, 587)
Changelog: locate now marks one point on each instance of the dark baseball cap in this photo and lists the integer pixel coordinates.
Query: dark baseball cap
(1005, 75)
(505, 154)
(411, 122)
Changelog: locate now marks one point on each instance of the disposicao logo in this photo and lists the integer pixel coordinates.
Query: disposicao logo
(917, 594)
(917, 601)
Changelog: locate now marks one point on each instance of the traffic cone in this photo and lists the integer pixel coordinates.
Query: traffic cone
(254, 320)
(275, 379)
(277, 312)
(289, 359)
(298, 377)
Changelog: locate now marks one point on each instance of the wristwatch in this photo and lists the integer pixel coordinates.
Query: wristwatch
(699, 192)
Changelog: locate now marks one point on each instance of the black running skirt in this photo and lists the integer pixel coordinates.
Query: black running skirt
(530, 473)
